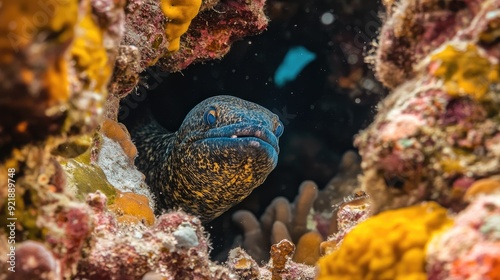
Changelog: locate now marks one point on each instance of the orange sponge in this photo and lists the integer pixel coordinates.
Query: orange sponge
(117, 132)
(483, 186)
(308, 248)
(132, 208)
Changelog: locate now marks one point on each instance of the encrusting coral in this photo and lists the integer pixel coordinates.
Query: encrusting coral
(390, 245)
(175, 247)
(471, 248)
(133, 208)
(212, 32)
(57, 67)
(118, 133)
(436, 133)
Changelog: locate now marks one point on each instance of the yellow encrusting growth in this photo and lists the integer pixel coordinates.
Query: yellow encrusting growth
(465, 72)
(89, 53)
(390, 245)
(22, 24)
(179, 14)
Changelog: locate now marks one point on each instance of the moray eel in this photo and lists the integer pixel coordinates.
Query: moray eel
(225, 148)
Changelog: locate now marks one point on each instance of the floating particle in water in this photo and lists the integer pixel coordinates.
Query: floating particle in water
(327, 18)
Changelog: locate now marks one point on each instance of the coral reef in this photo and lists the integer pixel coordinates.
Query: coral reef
(471, 248)
(310, 219)
(175, 247)
(155, 27)
(390, 245)
(125, 78)
(34, 261)
(355, 209)
(436, 133)
(57, 63)
(43, 211)
(42, 101)
(413, 30)
(280, 266)
(78, 208)
(240, 263)
(214, 30)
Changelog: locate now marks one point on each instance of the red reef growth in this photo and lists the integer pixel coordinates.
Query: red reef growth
(213, 31)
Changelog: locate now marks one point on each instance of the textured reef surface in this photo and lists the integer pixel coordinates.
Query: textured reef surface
(420, 202)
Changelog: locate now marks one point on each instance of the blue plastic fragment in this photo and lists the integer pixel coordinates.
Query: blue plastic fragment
(296, 59)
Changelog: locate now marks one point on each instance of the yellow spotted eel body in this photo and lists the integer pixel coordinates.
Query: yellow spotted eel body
(225, 148)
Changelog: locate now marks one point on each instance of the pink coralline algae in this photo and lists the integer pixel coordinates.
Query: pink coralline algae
(214, 30)
(470, 249)
(50, 215)
(437, 130)
(209, 36)
(175, 247)
(413, 29)
(56, 75)
(34, 261)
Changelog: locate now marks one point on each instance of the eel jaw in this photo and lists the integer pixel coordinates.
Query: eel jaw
(244, 131)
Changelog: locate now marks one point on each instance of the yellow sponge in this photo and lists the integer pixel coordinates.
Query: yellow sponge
(179, 14)
(390, 245)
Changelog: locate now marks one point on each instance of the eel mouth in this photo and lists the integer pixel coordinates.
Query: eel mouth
(255, 135)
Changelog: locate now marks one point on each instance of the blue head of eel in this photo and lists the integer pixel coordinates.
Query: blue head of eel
(225, 148)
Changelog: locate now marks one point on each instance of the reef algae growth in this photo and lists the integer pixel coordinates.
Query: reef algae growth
(471, 248)
(437, 132)
(57, 63)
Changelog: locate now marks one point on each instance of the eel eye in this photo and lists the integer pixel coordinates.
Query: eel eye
(210, 116)
(279, 129)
